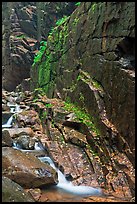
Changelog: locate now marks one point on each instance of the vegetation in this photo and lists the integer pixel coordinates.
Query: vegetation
(81, 116)
(62, 20)
(94, 7)
(39, 54)
(78, 3)
(21, 36)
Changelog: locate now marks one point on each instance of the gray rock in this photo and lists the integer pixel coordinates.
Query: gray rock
(13, 192)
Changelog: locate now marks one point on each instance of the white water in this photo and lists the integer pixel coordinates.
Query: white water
(68, 186)
(9, 123)
(62, 181)
(17, 108)
(14, 108)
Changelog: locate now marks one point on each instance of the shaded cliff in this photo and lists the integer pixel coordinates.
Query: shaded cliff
(90, 61)
(22, 40)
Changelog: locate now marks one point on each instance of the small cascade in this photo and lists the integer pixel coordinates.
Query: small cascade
(68, 186)
(14, 108)
(17, 108)
(9, 123)
(63, 184)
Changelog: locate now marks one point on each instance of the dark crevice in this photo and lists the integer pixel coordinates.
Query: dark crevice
(126, 52)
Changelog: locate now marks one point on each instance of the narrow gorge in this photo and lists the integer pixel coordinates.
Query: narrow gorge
(68, 102)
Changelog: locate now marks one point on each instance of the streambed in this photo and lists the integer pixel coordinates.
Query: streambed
(63, 149)
(65, 190)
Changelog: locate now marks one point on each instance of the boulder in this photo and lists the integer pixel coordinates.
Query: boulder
(29, 118)
(13, 192)
(6, 139)
(26, 170)
(16, 132)
(25, 142)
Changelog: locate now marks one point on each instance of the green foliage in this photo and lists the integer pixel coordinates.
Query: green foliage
(44, 114)
(81, 97)
(78, 77)
(96, 84)
(75, 21)
(78, 3)
(51, 31)
(40, 53)
(93, 7)
(62, 20)
(36, 92)
(48, 105)
(21, 36)
(81, 116)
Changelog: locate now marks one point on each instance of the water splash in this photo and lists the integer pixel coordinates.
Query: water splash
(9, 123)
(68, 186)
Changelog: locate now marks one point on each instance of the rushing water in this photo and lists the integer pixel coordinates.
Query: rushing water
(63, 184)
(68, 186)
(8, 124)
(14, 108)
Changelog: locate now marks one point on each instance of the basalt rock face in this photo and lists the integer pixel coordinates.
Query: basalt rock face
(91, 59)
(23, 37)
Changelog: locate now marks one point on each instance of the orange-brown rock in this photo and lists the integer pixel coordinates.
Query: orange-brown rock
(26, 170)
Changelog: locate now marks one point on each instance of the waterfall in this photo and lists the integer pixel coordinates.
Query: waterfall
(9, 123)
(68, 186)
(14, 108)
(63, 183)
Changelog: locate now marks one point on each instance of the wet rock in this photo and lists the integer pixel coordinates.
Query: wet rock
(16, 132)
(6, 138)
(29, 118)
(26, 170)
(5, 117)
(25, 142)
(74, 137)
(73, 163)
(5, 108)
(13, 192)
(108, 59)
(36, 193)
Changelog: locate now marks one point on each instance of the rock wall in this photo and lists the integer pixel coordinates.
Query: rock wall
(23, 42)
(90, 60)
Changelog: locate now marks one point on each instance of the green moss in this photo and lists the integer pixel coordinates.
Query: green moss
(89, 80)
(82, 116)
(61, 21)
(43, 59)
(48, 105)
(39, 54)
(21, 36)
(93, 7)
(78, 3)
(81, 97)
(75, 21)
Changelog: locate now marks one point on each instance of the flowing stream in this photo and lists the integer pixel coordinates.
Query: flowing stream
(63, 184)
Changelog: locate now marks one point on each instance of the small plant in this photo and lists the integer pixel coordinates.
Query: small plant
(82, 116)
(21, 36)
(40, 53)
(81, 97)
(62, 20)
(35, 100)
(77, 4)
(93, 7)
(78, 77)
(51, 31)
(75, 21)
(38, 91)
(48, 105)
(44, 115)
